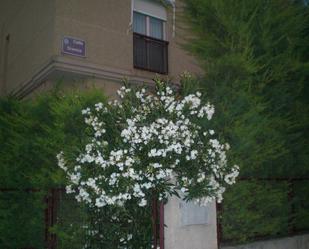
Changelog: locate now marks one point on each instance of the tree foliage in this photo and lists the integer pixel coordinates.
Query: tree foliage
(119, 156)
(255, 58)
(146, 145)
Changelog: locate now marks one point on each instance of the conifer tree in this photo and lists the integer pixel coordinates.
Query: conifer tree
(255, 58)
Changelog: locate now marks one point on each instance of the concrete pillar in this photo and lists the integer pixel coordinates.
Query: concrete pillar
(190, 226)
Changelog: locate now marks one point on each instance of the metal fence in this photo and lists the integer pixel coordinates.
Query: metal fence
(55, 212)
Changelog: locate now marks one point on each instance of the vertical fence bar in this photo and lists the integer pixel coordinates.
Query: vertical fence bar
(161, 225)
(52, 213)
(291, 217)
(154, 221)
(46, 220)
(52, 201)
(219, 225)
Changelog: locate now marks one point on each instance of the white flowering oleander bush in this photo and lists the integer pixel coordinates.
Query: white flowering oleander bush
(149, 144)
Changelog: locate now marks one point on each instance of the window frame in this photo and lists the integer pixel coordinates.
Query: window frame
(150, 39)
(148, 26)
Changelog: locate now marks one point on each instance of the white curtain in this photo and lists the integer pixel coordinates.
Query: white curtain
(156, 28)
(139, 23)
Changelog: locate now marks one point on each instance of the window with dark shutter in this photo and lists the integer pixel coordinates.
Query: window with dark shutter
(150, 50)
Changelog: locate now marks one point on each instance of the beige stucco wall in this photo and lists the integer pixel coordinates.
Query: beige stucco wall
(102, 24)
(107, 86)
(180, 236)
(30, 26)
(36, 28)
(105, 26)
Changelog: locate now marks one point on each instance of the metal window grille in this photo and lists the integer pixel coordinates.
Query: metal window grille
(150, 53)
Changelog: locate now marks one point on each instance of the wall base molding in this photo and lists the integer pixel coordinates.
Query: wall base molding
(60, 66)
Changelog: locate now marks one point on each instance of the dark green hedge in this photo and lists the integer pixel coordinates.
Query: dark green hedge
(261, 209)
(21, 219)
(255, 209)
(32, 132)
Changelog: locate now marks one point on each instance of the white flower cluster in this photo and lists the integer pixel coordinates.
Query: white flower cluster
(163, 145)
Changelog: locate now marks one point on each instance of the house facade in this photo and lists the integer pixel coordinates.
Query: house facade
(99, 43)
(34, 33)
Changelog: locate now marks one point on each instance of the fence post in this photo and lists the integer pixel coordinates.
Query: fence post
(219, 225)
(161, 225)
(154, 220)
(291, 218)
(52, 200)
